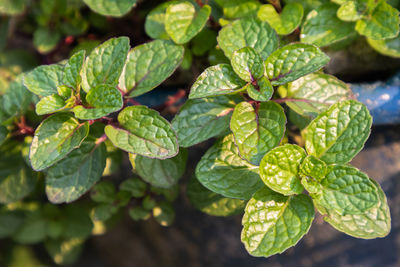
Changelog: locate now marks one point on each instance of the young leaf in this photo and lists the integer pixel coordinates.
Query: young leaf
(216, 80)
(111, 7)
(50, 104)
(102, 100)
(285, 22)
(373, 223)
(73, 176)
(143, 132)
(318, 90)
(250, 32)
(256, 133)
(327, 136)
(388, 47)
(201, 119)
(104, 192)
(247, 64)
(211, 203)
(351, 10)
(222, 171)
(382, 23)
(273, 223)
(313, 167)
(161, 173)
(264, 91)
(294, 61)
(44, 80)
(105, 63)
(322, 27)
(234, 9)
(72, 70)
(279, 169)
(155, 22)
(55, 137)
(148, 65)
(135, 186)
(346, 190)
(45, 40)
(183, 21)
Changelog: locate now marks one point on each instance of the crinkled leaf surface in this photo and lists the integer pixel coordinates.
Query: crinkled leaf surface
(285, 22)
(102, 100)
(322, 27)
(148, 65)
(56, 137)
(374, 222)
(115, 8)
(279, 169)
(351, 10)
(247, 64)
(346, 190)
(319, 92)
(273, 223)
(143, 131)
(256, 133)
(183, 21)
(105, 63)
(313, 167)
(294, 61)
(50, 104)
(264, 91)
(73, 176)
(163, 173)
(201, 119)
(382, 23)
(212, 203)
(222, 171)
(339, 133)
(216, 80)
(44, 80)
(72, 70)
(388, 47)
(250, 32)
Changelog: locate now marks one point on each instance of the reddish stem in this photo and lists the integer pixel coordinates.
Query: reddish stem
(173, 99)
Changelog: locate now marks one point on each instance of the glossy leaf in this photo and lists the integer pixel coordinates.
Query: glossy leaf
(55, 138)
(155, 22)
(388, 47)
(313, 167)
(201, 119)
(247, 64)
(111, 7)
(44, 80)
(263, 90)
(273, 223)
(233, 9)
(183, 21)
(148, 65)
(50, 104)
(216, 80)
(339, 133)
(222, 171)
(143, 131)
(294, 61)
(256, 133)
(72, 70)
(285, 22)
(105, 63)
(351, 10)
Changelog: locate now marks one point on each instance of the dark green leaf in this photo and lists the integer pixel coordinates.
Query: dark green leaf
(111, 7)
(247, 64)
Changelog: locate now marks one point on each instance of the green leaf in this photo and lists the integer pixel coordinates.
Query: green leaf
(139, 213)
(102, 100)
(44, 80)
(351, 10)
(72, 70)
(250, 32)
(211, 203)
(285, 22)
(105, 63)
(65, 91)
(10, 221)
(103, 212)
(346, 190)
(45, 40)
(3, 134)
(162, 173)
(339, 133)
(164, 213)
(64, 252)
(32, 231)
(12, 7)
(149, 203)
(204, 42)
(373, 223)
(55, 138)
(216, 80)
(279, 169)
(201, 119)
(148, 65)
(17, 99)
(135, 186)
(73, 176)
(294, 61)
(222, 171)
(273, 223)
(313, 167)
(382, 23)
(144, 132)
(318, 91)
(111, 7)
(183, 21)
(50, 104)
(103, 192)
(247, 64)
(263, 90)
(322, 27)
(234, 9)
(155, 22)
(256, 133)
(388, 47)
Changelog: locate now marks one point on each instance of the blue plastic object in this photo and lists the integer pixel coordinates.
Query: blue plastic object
(381, 98)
